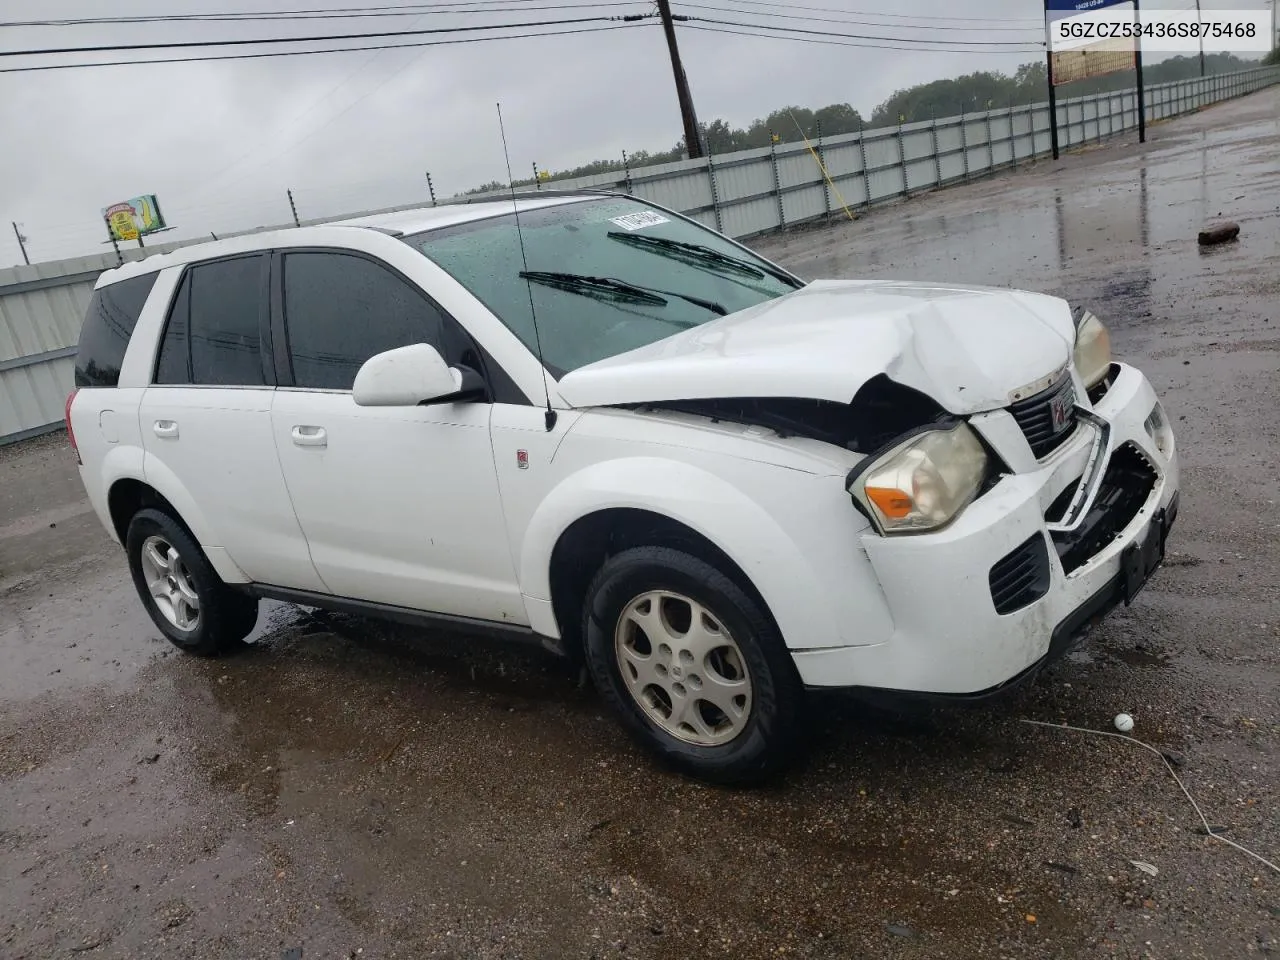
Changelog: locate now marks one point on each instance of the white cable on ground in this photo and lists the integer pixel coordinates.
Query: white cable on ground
(1168, 766)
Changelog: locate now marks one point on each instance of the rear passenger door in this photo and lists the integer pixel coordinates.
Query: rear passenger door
(206, 420)
(400, 505)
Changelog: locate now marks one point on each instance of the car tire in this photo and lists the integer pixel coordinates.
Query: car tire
(723, 702)
(184, 596)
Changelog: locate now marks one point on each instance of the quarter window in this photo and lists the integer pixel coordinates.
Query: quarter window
(341, 310)
(108, 326)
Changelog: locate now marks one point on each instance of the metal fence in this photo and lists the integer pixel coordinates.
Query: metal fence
(741, 194)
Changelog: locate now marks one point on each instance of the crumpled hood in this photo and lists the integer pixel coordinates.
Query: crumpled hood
(969, 348)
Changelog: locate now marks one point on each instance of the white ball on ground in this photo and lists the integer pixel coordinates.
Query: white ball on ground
(1124, 722)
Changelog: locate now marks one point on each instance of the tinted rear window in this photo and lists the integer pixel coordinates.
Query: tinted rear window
(174, 364)
(228, 300)
(108, 325)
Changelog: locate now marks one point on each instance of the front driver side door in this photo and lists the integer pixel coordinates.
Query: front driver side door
(399, 505)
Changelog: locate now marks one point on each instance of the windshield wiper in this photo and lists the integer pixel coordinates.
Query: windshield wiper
(696, 251)
(579, 283)
(606, 286)
(717, 308)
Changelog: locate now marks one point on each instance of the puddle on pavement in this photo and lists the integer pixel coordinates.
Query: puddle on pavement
(1120, 238)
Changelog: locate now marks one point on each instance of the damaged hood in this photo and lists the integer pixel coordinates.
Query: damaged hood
(969, 348)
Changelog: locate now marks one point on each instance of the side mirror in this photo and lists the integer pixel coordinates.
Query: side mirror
(413, 375)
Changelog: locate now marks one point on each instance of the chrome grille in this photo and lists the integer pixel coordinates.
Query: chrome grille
(1035, 415)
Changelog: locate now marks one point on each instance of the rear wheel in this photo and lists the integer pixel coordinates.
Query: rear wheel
(185, 598)
(693, 665)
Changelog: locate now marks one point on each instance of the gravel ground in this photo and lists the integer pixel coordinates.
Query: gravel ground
(352, 789)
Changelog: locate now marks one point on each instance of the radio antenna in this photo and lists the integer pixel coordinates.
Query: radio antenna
(524, 259)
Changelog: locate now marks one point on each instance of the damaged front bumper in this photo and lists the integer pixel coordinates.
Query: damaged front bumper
(1029, 566)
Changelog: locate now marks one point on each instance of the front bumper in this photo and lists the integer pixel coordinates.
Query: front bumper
(948, 637)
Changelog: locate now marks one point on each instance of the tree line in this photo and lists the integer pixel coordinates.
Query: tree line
(974, 92)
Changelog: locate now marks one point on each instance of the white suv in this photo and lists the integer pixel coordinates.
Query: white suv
(594, 422)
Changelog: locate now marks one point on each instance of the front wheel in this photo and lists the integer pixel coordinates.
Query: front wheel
(693, 665)
(185, 597)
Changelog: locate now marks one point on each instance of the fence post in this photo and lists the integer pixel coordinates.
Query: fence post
(1013, 141)
(862, 151)
(715, 194)
(293, 208)
(937, 154)
(777, 183)
(991, 150)
(902, 157)
(964, 143)
(826, 185)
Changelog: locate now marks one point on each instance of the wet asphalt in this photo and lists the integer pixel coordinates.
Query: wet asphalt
(347, 788)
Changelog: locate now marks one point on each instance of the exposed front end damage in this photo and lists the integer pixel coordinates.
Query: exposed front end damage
(880, 411)
(1032, 563)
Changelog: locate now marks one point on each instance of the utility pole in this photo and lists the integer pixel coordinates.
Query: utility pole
(692, 135)
(1053, 96)
(1201, 39)
(1137, 63)
(1053, 112)
(22, 243)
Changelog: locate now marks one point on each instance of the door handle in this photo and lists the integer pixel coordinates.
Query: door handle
(305, 436)
(165, 428)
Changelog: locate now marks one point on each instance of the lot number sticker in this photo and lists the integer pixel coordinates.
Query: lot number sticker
(637, 221)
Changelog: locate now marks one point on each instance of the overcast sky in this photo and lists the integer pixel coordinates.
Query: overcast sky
(219, 143)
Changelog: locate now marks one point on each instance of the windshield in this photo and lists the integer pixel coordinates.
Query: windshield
(581, 319)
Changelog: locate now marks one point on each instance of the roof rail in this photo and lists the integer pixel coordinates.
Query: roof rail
(389, 231)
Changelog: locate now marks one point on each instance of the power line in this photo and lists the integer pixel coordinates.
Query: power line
(901, 45)
(285, 148)
(859, 36)
(864, 23)
(208, 184)
(898, 16)
(340, 13)
(304, 53)
(328, 38)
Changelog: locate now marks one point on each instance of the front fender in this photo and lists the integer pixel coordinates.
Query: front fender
(738, 525)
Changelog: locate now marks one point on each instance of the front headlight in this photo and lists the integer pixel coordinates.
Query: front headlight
(1093, 349)
(924, 482)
